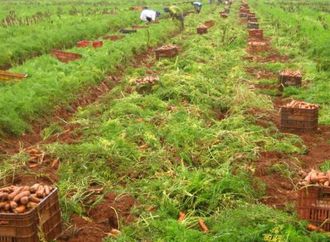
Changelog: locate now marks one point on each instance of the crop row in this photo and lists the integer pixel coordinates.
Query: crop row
(54, 83)
(37, 33)
(304, 35)
(23, 42)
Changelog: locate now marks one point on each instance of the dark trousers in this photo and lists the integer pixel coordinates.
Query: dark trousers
(149, 19)
(198, 8)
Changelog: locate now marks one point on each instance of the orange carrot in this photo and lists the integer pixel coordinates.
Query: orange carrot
(182, 216)
(313, 227)
(203, 226)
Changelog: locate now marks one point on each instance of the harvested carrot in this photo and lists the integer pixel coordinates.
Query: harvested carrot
(24, 200)
(203, 226)
(2, 204)
(32, 205)
(47, 190)
(182, 216)
(34, 199)
(115, 233)
(15, 192)
(3, 196)
(55, 164)
(13, 204)
(20, 195)
(34, 188)
(20, 209)
(7, 206)
(313, 227)
(40, 192)
(26, 188)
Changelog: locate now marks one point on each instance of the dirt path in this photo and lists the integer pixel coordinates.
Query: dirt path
(281, 188)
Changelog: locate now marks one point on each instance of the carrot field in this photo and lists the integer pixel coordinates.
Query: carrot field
(226, 140)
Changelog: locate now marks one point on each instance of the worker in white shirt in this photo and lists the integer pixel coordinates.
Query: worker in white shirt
(149, 15)
(197, 6)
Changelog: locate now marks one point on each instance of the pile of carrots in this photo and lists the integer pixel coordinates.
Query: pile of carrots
(167, 47)
(291, 73)
(257, 43)
(147, 80)
(20, 199)
(316, 178)
(301, 105)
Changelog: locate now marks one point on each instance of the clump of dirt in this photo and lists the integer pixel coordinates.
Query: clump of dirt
(84, 230)
(113, 210)
(102, 219)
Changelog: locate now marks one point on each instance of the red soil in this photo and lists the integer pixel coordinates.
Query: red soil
(102, 220)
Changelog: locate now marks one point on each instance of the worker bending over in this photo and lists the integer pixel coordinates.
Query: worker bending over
(197, 6)
(176, 13)
(149, 15)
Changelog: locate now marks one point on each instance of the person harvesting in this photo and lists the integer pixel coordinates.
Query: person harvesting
(149, 15)
(177, 14)
(197, 6)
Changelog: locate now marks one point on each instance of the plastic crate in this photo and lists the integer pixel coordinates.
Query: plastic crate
(298, 119)
(65, 56)
(5, 75)
(46, 218)
(256, 34)
(201, 30)
(257, 46)
(253, 19)
(243, 15)
(97, 44)
(253, 25)
(313, 205)
(224, 15)
(209, 23)
(166, 52)
(287, 79)
(244, 10)
(83, 44)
